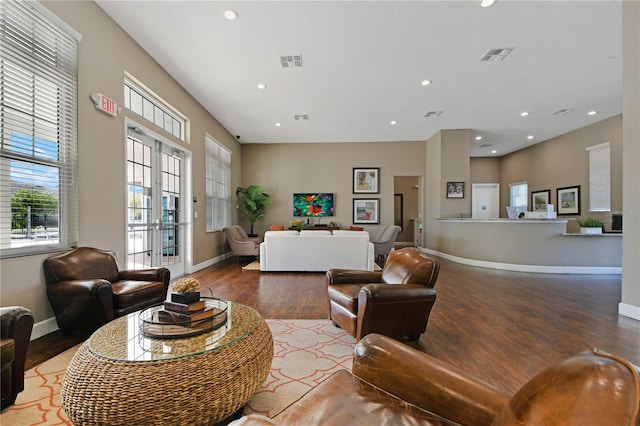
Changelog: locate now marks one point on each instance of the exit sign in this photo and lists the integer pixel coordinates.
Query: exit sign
(105, 104)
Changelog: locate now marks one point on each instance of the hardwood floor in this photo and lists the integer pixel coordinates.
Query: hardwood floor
(502, 327)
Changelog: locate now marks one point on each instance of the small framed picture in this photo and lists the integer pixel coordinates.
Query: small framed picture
(366, 180)
(540, 200)
(455, 189)
(366, 211)
(568, 199)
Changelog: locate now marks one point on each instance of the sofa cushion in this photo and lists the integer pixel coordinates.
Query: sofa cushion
(346, 295)
(7, 350)
(343, 399)
(128, 293)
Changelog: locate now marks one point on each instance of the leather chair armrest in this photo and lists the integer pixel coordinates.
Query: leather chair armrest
(439, 388)
(151, 274)
(69, 298)
(16, 322)
(351, 276)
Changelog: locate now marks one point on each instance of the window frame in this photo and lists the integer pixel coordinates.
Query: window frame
(519, 208)
(599, 177)
(217, 185)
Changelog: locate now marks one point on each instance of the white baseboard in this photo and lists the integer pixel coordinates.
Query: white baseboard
(210, 262)
(593, 270)
(42, 328)
(630, 311)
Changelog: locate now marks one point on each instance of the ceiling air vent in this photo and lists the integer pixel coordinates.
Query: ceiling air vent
(291, 61)
(563, 111)
(433, 114)
(485, 145)
(496, 55)
(301, 116)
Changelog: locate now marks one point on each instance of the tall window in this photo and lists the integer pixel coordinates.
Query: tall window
(518, 196)
(218, 185)
(38, 115)
(600, 178)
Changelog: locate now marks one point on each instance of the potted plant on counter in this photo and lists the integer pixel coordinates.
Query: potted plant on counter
(253, 203)
(590, 225)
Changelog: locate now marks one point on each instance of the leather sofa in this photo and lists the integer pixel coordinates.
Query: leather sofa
(394, 384)
(86, 289)
(395, 302)
(16, 324)
(316, 251)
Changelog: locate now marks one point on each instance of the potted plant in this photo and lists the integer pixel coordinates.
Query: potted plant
(590, 225)
(185, 290)
(253, 203)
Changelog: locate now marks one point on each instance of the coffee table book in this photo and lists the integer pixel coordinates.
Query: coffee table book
(184, 308)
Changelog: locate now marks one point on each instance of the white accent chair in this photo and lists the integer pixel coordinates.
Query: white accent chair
(241, 244)
(383, 242)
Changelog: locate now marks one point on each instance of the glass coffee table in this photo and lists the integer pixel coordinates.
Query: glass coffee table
(121, 376)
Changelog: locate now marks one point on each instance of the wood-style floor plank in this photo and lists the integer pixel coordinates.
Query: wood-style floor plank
(500, 326)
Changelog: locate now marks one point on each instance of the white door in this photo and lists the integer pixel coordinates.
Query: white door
(485, 201)
(155, 231)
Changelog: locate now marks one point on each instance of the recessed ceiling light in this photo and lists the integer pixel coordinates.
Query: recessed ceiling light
(231, 14)
(494, 151)
(524, 114)
(393, 122)
(487, 3)
(592, 112)
(478, 138)
(278, 124)
(262, 86)
(530, 137)
(426, 82)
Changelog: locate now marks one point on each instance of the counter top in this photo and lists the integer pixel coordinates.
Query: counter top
(501, 220)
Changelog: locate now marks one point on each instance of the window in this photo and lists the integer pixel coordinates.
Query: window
(218, 185)
(38, 126)
(600, 178)
(518, 196)
(143, 103)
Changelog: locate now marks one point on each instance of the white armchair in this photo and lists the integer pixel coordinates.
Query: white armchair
(383, 242)
(241, 244)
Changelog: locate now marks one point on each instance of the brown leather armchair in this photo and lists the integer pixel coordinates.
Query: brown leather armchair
(394, 384)
(86, 289)
(395, 302)
(16, 324)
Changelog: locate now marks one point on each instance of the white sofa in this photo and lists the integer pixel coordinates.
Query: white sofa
(316, 250)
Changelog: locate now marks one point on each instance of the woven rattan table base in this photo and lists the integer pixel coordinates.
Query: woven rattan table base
(199, 389)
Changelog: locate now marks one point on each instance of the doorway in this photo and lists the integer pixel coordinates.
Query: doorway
(485, 200)
(155, 206)
(406, 190)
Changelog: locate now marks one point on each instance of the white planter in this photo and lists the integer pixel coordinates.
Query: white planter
(590, 231)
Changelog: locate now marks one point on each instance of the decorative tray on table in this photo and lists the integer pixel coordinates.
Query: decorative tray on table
(173, 320)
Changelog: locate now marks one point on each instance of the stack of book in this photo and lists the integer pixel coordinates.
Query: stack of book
(191, 315)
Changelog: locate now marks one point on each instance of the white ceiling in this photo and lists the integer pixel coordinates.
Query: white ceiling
(363, 63)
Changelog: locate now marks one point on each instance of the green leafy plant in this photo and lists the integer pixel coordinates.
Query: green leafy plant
(590, 222)
(253, 203)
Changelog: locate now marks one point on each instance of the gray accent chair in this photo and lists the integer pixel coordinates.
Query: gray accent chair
(383, 242)
(241, 244)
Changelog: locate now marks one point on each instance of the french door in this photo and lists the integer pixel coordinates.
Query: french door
(154, 204)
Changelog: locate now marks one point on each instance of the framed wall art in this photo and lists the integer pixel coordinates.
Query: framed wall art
(366, 211)
(455, 189)
(366, 180)
(540, 200)
(568, 200)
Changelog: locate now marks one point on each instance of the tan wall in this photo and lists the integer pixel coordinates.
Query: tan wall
(485, 170)
(104, 54)
(563, 161)
(283, 169)
(631, 146)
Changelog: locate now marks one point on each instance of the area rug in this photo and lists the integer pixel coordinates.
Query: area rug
(305, 353)
(255, 266)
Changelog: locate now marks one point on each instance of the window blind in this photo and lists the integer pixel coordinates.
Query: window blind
(38, 120)
(600, 177)
(218, 185)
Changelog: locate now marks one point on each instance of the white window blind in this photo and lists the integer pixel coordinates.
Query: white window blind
(38, 120)
(518, 196)
(218, 185)
(600, 177)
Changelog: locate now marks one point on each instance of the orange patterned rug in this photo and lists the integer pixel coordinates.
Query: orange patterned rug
(305, 353)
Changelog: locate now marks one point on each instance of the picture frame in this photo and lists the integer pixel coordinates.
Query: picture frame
(455, 189)
(366, 211)
(366, 180)
(540, 200)
(568, 199)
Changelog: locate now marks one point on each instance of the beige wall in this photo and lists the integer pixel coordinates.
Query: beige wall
(283, 169)
(563, 161)
(104, 54)
(485, 170)
(630, 304)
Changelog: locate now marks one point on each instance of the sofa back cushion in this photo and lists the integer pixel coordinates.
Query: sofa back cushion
(591, 388)
(82, 263)
(410, 266)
